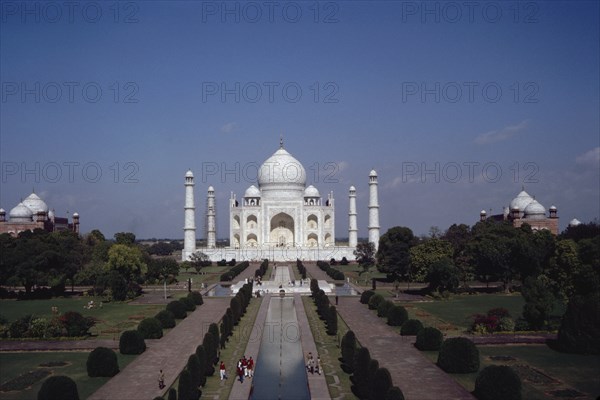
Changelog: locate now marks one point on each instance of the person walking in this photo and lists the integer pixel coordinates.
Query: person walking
(222, 371)
(318, 367)
(161, 380)
(250, 367)
(240, 371)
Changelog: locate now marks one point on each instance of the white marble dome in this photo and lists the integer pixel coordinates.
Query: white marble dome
(311, 191)
(521, 201)
(574, 222)
(189, 174)
(211, 189)
(20, 213)
(252, 191)
(535, 210)
(283, 173)
(373, 173)
(35, 204)
(352, 189)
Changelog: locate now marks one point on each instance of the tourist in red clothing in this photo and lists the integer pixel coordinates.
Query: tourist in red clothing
(250, 367)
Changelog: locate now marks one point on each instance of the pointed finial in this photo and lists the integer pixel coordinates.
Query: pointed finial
(281, 141)
(523, 188)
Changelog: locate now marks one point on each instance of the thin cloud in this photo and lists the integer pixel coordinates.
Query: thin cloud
(591, 157)
(228, 127)
(501, 134)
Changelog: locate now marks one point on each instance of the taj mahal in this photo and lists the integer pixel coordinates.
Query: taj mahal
(279, 218)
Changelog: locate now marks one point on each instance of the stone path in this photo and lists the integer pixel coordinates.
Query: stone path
(418, 377)
(139, 379)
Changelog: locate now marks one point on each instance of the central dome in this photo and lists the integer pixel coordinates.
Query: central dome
(283, 172)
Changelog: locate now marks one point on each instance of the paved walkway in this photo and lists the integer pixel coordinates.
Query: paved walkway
(139, 380)
(418, 377)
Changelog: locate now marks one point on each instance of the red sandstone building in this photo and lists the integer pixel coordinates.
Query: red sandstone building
(525, 209)
(32, 213)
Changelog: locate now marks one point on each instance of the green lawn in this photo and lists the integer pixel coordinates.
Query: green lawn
(579, 372)
(113, 318)
(15, 364)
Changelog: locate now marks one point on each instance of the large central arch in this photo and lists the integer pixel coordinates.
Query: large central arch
(281, 232)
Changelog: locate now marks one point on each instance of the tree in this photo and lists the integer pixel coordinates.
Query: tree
(563, 268)
(580, 327)
(125, 238)
(424, 255)
(365, 255)
(58, 387)
(199, 260)
(459, 236)
(393, 256)
(160, 249)
(443, 276)
(161, 269)
(539, 302)
(127, 261)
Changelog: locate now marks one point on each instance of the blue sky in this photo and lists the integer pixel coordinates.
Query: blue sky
(106, 105)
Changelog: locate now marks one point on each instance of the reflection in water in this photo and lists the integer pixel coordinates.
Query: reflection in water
(280, 371)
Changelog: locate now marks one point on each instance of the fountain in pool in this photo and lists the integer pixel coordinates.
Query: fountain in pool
(283, 281)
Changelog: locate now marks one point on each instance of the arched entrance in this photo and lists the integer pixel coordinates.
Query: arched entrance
(282, 230)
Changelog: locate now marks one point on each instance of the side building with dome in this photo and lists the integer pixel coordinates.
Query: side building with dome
(280, 218)
(525, 209)
(33, 213)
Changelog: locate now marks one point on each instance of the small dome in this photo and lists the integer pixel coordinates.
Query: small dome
(211, 189)
(35, 204)
(252, 191)
(535, 210)
(373, 173)
(552, 208)
(482, 212)
(352, 189)
(2, 211)
(521, 201)
(311, 191)
(574, 222)
(21, 213)
(51, 214)
(75, 214)
(189, 174)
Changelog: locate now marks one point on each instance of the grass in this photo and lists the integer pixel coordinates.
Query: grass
(113, 318)
(16, 364)
(329, 350)
(579, 372)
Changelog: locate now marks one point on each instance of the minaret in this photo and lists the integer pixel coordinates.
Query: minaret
(211, 226)
(373, 210)
(352, 230)
(189, 228)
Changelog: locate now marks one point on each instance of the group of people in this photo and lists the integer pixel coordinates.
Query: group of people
(313, 365)
(245, 368)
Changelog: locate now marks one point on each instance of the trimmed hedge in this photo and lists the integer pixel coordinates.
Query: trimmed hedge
(383, 308)
(348, 349)
(411, 327)
(188, 304)
(458, 355)
(195, 298)
(166, 319)
(366, 296)
(177, 308)
(394, 394)
(58, 388)
(132, 342)
(102, 361)
(397, 316)
(150, 328)
(497, 382)
(429, 339)
(332, 272)
(375, 301)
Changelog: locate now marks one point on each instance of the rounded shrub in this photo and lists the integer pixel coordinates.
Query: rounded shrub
(458, 355)
(397, 315)
(429, 339)
(374, 301)
(150, 328)
(411, 327)
(394, 394)
(196, 298)
(506, 324)
(366, 296)
(132, 342)
(102, 361)
(177, 308)
(348, 348)
(383, 308)
(382, 383)
(166, 319)
(498, 382)
(58, 388)
(187, 303)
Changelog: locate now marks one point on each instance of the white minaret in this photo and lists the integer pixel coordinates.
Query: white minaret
(352, 230)
(189, 228)
(211, 226)
(373, 210)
